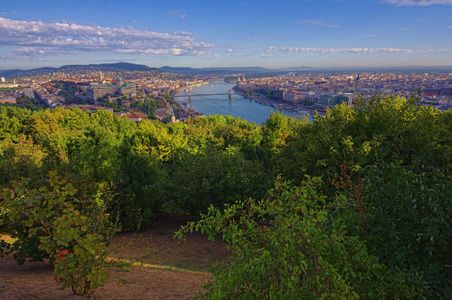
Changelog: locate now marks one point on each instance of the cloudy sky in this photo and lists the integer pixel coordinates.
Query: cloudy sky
(218, 33)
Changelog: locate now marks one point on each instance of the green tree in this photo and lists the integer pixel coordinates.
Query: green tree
(287, 247)
(12, 121)
(215, 177)
(275, 131)
(400, 154)
(141, 189)
(96, 154)
(22, 159)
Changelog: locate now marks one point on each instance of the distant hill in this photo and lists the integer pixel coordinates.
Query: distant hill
(123, 66)
(178, 70)
(297, 69)
(18, 73)
(238, 70)
(223, 70)
(9, 73)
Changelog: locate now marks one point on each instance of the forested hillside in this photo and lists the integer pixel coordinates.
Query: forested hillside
(356, 204)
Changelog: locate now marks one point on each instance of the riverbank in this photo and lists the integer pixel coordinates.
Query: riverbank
(183, 113)
(186, 88)
(214, 99)
(302, 109)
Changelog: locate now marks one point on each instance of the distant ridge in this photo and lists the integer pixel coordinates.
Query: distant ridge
(297, 69)
(123, 66)
(177, 70)
(17, 72)
(222, 70)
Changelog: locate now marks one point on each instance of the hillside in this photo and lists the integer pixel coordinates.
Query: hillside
(356, 203)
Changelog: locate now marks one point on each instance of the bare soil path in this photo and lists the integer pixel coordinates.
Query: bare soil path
(170, 269)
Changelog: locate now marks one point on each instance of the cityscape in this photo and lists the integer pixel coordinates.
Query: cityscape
(306, 93)
(227, 149)
(310, 56)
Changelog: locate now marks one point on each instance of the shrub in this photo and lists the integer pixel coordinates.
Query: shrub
(287, 247)
(51, 223)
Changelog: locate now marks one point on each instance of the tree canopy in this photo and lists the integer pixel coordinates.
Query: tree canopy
(373, 179)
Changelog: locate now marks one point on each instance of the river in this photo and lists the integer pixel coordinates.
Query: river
(237, 106)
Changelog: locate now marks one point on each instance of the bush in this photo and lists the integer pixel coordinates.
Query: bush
(287, 247)
(51, 223)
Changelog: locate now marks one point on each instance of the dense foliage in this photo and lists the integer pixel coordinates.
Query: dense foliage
(398, 161)
(53, 222)
(381, 188)
(288, 246)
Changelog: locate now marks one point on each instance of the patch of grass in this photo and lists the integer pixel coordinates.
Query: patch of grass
(139, 264)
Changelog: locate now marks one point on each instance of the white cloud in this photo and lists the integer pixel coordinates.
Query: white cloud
(417, 2)
(178, 14)
(316, 23)
(344, 50)
(39, 38)
(426, 51)
(271, 55)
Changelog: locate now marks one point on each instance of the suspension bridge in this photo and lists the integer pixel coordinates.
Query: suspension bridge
(200, 95)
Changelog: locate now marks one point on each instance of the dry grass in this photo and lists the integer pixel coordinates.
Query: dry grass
(170, 269)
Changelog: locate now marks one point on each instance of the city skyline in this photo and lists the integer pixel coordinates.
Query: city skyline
(333, 33)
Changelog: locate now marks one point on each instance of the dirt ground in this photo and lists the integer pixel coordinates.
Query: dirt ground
(170, 269)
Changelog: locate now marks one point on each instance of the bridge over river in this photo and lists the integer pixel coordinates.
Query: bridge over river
(212, 99)
(198, 95)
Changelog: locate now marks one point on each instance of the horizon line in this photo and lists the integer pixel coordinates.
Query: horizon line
(235, 67)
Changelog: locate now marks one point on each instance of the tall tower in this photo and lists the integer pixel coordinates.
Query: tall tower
(101, 76)
(173, 118)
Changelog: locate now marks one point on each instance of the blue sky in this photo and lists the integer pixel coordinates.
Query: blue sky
(226, 33)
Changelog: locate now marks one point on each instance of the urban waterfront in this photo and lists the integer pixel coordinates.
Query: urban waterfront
(217, 102)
